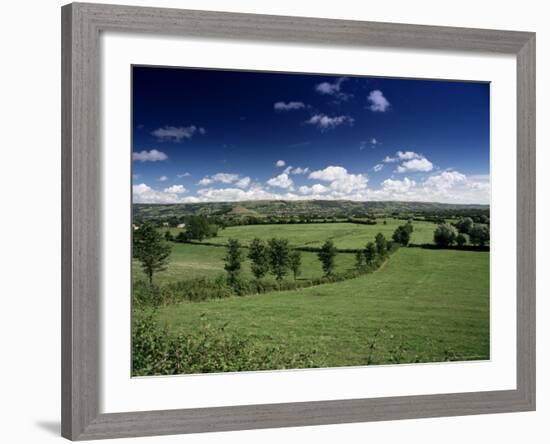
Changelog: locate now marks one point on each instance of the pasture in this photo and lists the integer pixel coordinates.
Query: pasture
(189, 261)
(421, 306)
(345, 235)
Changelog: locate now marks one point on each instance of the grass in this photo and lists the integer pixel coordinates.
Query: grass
(191, 261)
(422, 306)
(344, 234)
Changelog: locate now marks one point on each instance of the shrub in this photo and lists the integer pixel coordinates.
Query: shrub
(157, 351)
(479, 234)
(444, 235)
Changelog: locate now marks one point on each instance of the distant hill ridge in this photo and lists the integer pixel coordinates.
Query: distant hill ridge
(325, 208)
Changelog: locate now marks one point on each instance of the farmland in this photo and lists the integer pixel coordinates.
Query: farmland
(411, 304)
(426, 305)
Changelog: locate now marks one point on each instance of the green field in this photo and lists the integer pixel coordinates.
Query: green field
(421, 306)
(189, 261)
(344, 234)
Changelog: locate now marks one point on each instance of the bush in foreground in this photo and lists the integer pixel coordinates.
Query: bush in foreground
(157, 351)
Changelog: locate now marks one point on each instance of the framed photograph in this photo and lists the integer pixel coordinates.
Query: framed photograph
(279, 221)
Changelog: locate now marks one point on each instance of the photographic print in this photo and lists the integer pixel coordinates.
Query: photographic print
(288, 221)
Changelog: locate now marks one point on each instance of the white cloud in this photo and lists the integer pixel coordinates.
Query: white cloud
(163, 178)
(149, 156)
(243, 183)
(373, 141)
(226, 178)
(333, 89)
(341, 182)
(176, 134)
(143, 193)
(175, 189)
(399, 186)
(445, 187)
(314, 189)
(415, 165)
(377, 101)
(280, 163)
(378, 167)
(180, 176)
(299, 170)
(281, 181)
(324, 122)
(288, 106)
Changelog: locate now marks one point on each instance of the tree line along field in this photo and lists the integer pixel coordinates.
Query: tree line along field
(423, 306)
(191, 260)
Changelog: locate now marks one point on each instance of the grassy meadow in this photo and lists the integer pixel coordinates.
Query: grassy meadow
(423, 305)
(416, 305)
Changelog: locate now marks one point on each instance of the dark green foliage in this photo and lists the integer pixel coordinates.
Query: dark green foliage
(402, 234)
(461, 240)
(326, 256)
(370, 253)
(181, 237)
(465, 225)
(168, 236)
(279, 257)
(199, 228)
(381, 244)
(258, 255)
(359, 259)
(295, 262)
(150, 249)
(157, 351)
(479, 234)
(444, 235)
(233, 259)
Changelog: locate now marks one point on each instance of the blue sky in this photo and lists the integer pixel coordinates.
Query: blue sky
(215, 135)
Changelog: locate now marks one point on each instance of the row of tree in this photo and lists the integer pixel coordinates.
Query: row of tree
(367, 256)
(273, 257)
(446, 234)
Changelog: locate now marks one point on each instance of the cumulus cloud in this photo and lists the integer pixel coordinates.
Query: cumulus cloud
(314, 189)
(377, 101)
(324, 122)
(226, 178)
(280, 163)
(143, 193)
(177, 134)
(149, 156)
(341, 182)
(415, 165)
(444, 187)
(281, 181)
(163, 178)
(288, 106)
(411, 162)
(175, 189)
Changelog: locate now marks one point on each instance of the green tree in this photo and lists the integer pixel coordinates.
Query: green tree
(381, 245)
(150, 249)
(279, 257)
(479, 234)
(370, 253)
(258, 255)
(295, 263)
(168, 236)
(465, 224)
(199, 228)
(326, 256)
(460, 239)
(359, 259)
(402, 234)
(445, 234)
(233, 259)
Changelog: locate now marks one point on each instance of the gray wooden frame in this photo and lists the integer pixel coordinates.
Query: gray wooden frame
(81, 26)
